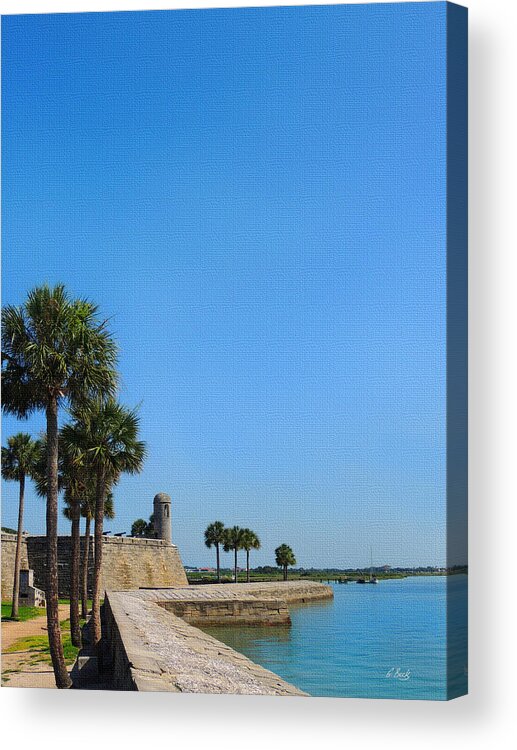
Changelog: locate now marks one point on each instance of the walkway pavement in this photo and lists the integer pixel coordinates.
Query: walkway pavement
(19, 669)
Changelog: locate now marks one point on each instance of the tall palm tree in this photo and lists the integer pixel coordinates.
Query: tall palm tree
(249, 541)
(76, 484)
(87, 510)
(215, 537)
(105, 438)
(284, 557)
(55, 350)
(88, 513)
(73, 494)
(19, 458)
(233, 541)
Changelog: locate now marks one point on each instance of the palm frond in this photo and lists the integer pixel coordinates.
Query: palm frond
(19, 457)
(54, 346)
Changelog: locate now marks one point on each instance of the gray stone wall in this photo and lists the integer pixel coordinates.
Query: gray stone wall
(149, 649)
(234, 612)
(8, 551)
(37, 555)
(126, 564)
(293, 592)
(134, 563)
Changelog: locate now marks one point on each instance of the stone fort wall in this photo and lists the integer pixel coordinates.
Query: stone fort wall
(127, 563)
(7, 552)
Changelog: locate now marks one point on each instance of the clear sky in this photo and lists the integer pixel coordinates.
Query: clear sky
(256, 199)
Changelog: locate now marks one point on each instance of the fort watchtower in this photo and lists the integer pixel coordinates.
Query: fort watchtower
(162, 517)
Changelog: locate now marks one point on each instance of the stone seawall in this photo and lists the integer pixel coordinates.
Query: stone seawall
(8, 552)
(126, 563)
(147, 647)
(151, 649)
(292, 592)
(232, 612)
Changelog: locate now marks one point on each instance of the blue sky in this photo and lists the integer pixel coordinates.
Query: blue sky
(256, 199)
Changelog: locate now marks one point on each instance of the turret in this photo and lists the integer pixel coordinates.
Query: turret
(162, 517)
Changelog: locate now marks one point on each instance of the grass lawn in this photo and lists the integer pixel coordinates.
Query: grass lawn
(24, 613)
(38, 647)
(28, 613)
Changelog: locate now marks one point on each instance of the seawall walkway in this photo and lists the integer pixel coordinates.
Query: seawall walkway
(151, 648)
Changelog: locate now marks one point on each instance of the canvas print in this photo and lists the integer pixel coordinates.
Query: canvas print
(234, 351)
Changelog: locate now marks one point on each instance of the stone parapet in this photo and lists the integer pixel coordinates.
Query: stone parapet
(150, 649)
(292, 592)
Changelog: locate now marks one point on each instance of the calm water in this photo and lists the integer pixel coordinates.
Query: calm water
(354, 645)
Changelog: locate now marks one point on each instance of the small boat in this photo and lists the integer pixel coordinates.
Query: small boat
(372, 578)
(361, 580)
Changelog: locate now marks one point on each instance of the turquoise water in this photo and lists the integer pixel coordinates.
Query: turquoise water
(384, 641)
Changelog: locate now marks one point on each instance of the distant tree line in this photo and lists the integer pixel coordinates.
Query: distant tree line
(235, 538)
(8, 530)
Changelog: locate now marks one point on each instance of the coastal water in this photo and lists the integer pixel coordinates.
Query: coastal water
(384, 641)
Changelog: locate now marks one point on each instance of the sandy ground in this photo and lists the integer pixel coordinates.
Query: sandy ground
(37, 675)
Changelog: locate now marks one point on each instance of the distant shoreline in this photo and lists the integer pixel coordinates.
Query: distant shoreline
(323, 575)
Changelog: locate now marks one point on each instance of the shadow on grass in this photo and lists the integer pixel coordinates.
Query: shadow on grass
(24, 613)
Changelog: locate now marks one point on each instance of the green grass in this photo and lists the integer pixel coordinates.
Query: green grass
(24, 613)
(29, 613)
(6, 674)
(38, 646)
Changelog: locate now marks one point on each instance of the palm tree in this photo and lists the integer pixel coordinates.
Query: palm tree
(88, 512)
(249, 541)
(215, 537)
(284, 557)
(77, 483)
(233, 541)
(105, 438)
(18, 462)
(140, 527)
(73, 502)
(143, 528)
(55, 350)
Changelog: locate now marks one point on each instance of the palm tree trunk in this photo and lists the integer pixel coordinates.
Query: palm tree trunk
(218, 564)
(248, 565)
(52, 593)
(75, 628)
(18, 554)
(235, 566)
(285, 572)
(86, 563)
(97, 559)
